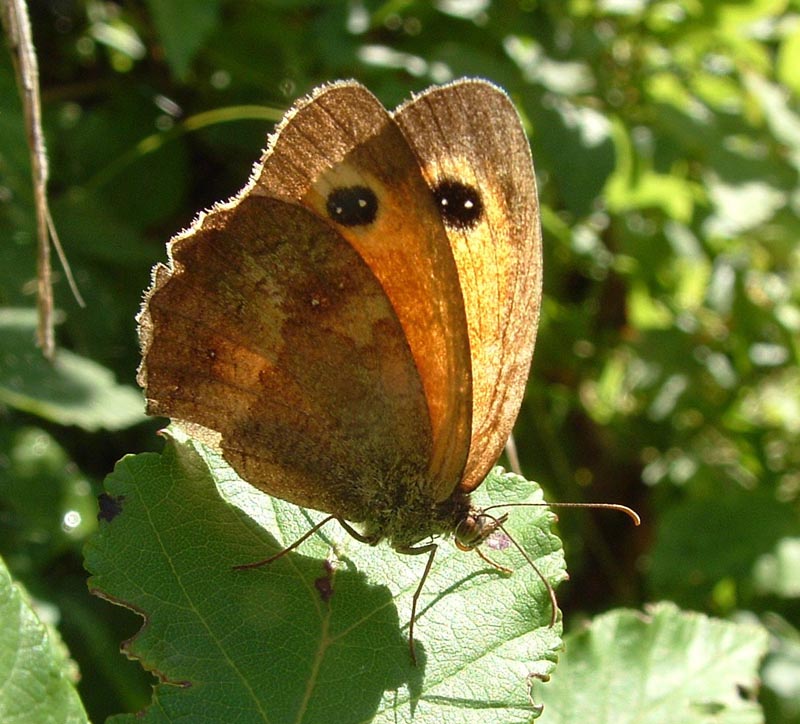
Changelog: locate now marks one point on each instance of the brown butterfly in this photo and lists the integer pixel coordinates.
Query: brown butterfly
(353, 331)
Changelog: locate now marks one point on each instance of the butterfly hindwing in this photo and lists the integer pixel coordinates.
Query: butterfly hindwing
(270, 332)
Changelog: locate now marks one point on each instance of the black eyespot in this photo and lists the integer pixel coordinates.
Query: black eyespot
(352, 206)
(460, 205)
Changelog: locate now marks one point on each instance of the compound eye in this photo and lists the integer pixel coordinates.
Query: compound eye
(473, 529)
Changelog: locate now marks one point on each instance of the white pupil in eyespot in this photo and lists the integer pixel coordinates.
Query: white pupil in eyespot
(468, 204)
(362, 203)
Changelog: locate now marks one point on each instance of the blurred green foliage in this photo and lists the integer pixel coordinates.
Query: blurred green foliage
(666, 138)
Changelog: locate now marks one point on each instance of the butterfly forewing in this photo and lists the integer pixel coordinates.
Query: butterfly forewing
(469, 134)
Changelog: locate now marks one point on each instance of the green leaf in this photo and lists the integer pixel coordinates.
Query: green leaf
(320, 634)
(47, 504)
(664, 667)
(743, 207)
(36, 676)
(781, 672)
(789, 60)
(635, 185)
(575, 143)
(778, 572)
(72, 391)
(183, 26)
(702, 542)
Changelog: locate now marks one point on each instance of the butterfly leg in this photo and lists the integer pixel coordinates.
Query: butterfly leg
(279, 554)
(358, 536)
(493, 564)
(430, 549)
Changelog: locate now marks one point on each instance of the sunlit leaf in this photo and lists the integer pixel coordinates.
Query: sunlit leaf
(661, 667)
(37, 680)
(278, 639)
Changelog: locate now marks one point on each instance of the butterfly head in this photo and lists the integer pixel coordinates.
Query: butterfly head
(475, 527)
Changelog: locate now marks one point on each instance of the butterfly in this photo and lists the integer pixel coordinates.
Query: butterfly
(353, 331)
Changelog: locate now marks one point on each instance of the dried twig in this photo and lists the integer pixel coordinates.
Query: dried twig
(16, 24)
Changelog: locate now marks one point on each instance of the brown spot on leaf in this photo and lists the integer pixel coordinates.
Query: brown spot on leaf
(110, 506)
